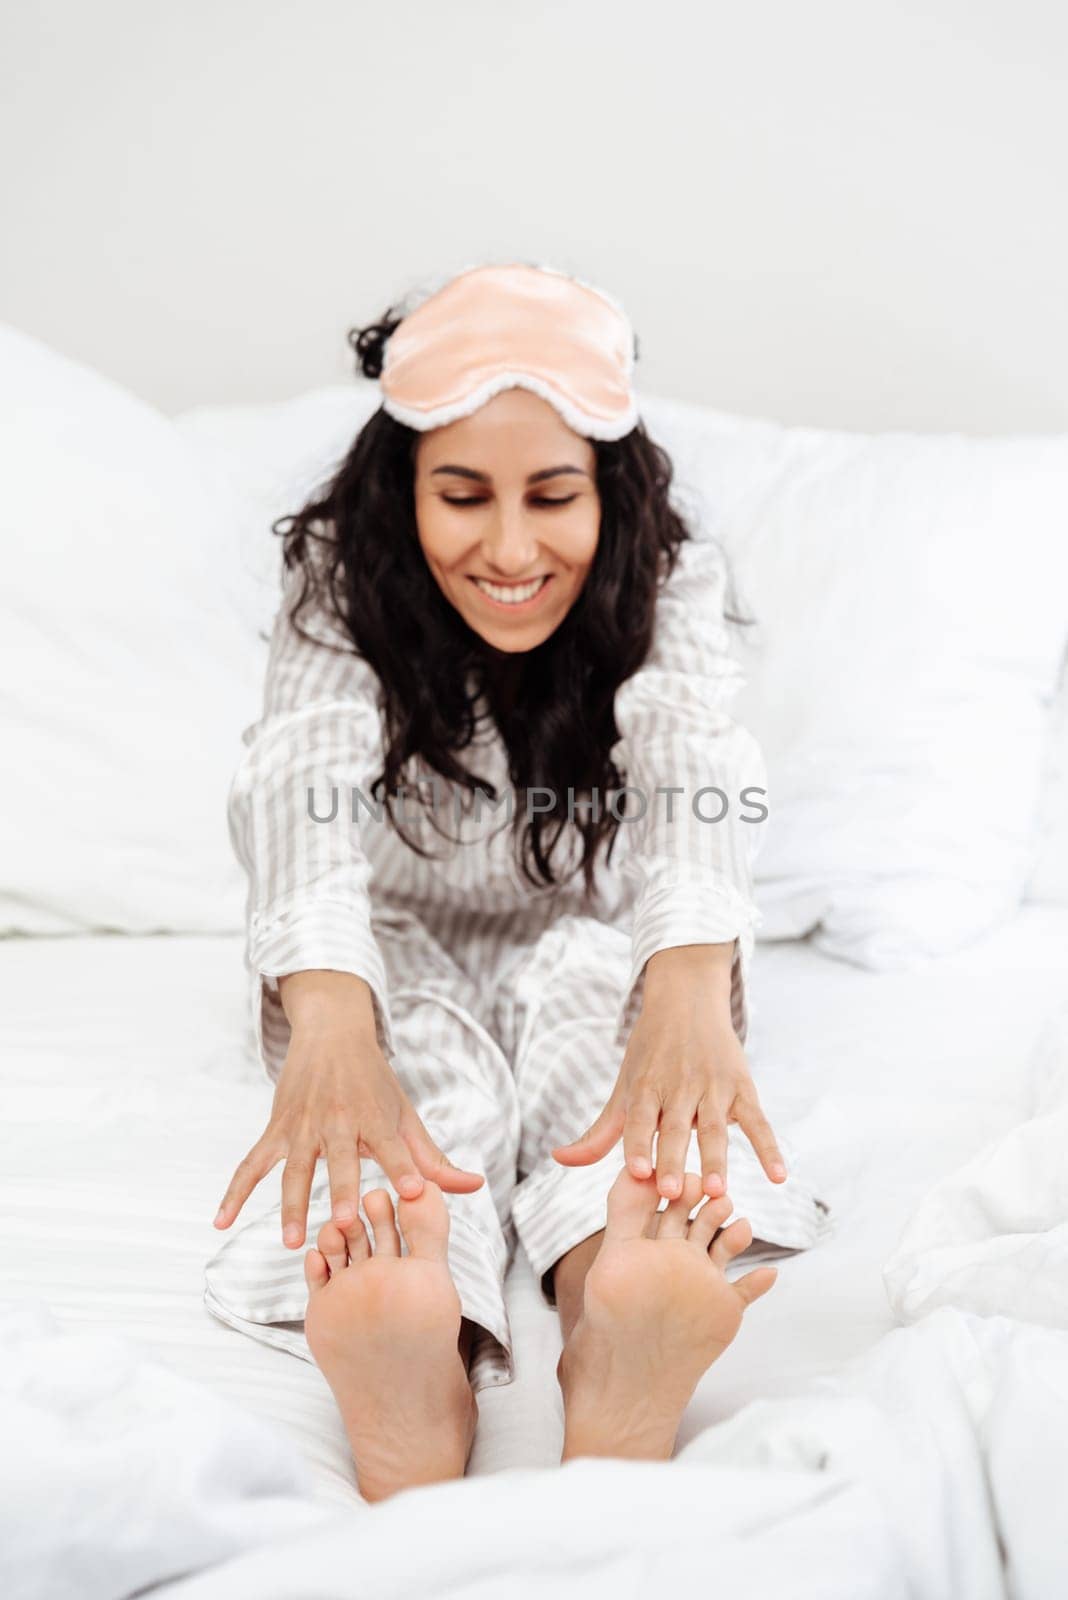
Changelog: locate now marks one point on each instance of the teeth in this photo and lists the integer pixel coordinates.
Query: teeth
(513, 594)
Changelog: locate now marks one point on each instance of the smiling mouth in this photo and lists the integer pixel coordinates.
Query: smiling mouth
(512, 595)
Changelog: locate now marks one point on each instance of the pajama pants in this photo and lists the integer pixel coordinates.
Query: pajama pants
(501, 1070)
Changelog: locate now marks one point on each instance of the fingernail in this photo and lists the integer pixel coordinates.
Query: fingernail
(343, 1212)
(410, 1187)
(778, 1170)
(640, 1167)
(670, 1187)
(291, 1233)
(713, 1181)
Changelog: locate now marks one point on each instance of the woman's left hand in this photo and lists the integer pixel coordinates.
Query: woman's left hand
(683, 1065)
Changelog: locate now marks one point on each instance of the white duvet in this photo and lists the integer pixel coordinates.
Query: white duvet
(900, 1477)
(824, 1454)
(935, 1465)
(115, 1472)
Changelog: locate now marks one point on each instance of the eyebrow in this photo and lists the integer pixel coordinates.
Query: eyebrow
(535, 477)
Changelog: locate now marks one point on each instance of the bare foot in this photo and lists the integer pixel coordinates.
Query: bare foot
(657, 1311)
(384, 1330)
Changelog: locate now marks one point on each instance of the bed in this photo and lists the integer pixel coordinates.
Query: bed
(913, 955)
(117, 1134)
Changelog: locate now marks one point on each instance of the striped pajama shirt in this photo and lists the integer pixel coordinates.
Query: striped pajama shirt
(503, 1007)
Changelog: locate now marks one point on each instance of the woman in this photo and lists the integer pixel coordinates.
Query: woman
(493, 601)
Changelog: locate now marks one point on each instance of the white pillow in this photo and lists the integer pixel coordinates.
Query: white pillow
(912, 597)
(912, 601)
(274, 457)
(128, 663)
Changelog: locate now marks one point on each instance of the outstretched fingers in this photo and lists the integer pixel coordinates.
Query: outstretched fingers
(250, 1171)
(343, 1162)
(598, 1139)
(755, 1125)
(712, 1143)
(433, 1163)
(297, 1177)
(673, 1142)
(398, 1163)
(643, 1115)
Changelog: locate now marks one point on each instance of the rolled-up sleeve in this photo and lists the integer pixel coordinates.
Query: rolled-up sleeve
(701, 777)
(308, 903)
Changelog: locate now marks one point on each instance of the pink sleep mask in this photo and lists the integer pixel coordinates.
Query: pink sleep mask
(492, 328)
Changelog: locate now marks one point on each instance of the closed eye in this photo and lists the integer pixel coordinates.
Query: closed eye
(478, 500)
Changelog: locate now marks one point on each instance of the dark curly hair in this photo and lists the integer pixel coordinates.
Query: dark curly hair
(356, 540)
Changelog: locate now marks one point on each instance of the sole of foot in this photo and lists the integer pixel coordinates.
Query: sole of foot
(658, 1309)
(384, 1328)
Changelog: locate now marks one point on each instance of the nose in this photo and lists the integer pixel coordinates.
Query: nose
(509, 543)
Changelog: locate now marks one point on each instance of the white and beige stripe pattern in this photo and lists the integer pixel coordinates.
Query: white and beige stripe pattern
(503, 1008)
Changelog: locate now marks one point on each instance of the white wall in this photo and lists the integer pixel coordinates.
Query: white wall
(832, 211)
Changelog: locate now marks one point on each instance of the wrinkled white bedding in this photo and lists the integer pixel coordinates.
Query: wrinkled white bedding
(905, 1475)
(115, 1472)
(118, 1132)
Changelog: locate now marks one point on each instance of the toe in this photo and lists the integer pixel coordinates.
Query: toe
(753, 1284)
(732, 1241)
(673, 1221)
(712, 1215)
(631, 1204)
(316, 1273)
(332, 1246)
(359, 1246)
(379, 1207)
(425, 1223)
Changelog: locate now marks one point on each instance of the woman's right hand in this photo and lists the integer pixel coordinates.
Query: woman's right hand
(337, 1096)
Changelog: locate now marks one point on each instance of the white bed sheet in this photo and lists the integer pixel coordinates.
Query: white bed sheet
(122, 1116)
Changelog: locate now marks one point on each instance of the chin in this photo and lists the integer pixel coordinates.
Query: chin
(514, 641)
